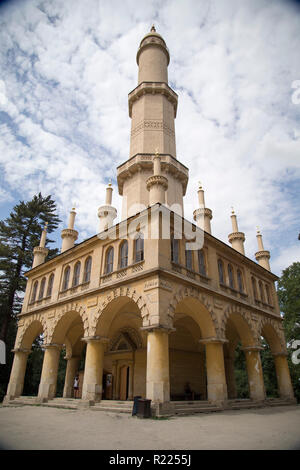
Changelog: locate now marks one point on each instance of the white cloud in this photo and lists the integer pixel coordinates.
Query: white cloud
(68, 67)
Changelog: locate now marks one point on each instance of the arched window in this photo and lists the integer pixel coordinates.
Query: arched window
(174, 250)
(139, 247)
(34, 291)
(124, 254)
(42, 288)
(50, 285)
(221, 271)
(261, 291)
(66, 278)
(230, 276)
(201, 263)
(87, 269)
(240, 281)
(76, 274)
(109, 260)
(254, 287)
(189, 259)
(268, 294)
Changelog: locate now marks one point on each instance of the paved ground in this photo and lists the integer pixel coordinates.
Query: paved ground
(33, 427)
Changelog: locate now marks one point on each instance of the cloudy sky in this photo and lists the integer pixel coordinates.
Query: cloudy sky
(67, 67)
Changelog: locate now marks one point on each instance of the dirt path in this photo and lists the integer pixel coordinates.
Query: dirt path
(29, 427)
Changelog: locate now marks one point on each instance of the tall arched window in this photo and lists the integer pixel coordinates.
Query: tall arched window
(230, 276)
(240, 281)
(34, 291)
(201, 263)
(124, 254)
(189, 259)
(174, 250)
(76, 274)
(254, 287)
(66, 278)
(139, 247)
(261, 291)
(221, 271)
(109, 265)
(42, 288)
(50, 285)
(268, 294)
(87, 269)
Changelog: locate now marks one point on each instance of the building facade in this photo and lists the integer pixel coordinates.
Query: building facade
(151, 310)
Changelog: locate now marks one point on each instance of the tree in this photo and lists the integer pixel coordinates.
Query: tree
(289, 300)
(19, 234)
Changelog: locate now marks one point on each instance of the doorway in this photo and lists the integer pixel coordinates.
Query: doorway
(124, 382)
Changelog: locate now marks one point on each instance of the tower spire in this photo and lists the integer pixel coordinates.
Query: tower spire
(107, 213)
(202, 215)
(262, 256)
(236, 238)
(40, 252)
(69, 235)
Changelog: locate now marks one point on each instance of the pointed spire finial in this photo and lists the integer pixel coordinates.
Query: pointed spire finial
(232, 210)
(109, 183)
(199, 185)
(257, 230)
(153, 29)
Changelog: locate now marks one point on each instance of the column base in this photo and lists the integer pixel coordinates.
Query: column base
(92, 392)
(85, 404)
(162, 409)
(217, 393)
(47, 391)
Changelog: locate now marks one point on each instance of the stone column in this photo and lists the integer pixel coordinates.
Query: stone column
(255, 373)
(17, 375)
(285, 387)
(47, 388)
(158, 373)
(215, 369)
(93, 369)
(72, 368)
(230, 376)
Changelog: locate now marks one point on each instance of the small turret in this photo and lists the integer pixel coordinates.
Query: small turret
(236, 238)
(262, 256)
(107, 213)
(69, 235)
(157, 184)
(40, 252)
(202, 215)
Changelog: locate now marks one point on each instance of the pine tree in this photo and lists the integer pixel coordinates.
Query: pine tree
(19, 234)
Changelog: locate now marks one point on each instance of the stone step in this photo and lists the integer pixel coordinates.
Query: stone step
(190, 411)
(112, 409)
(195, 402)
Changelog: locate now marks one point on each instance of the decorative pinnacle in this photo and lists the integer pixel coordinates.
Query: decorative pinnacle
(257, 230)
(232, 210)
(153, 29)
(156, 152)
(109, 183)
(199, 185)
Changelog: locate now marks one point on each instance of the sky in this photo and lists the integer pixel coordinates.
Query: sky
(67, 67)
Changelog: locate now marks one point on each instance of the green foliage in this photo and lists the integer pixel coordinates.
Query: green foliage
(269, 371)
(241, 378)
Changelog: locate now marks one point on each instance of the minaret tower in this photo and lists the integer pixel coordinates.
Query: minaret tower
(262, 256)
(236, 238)
(69, 235)
(107, 213)
(40, 252)
(152, 108)
(202, 215)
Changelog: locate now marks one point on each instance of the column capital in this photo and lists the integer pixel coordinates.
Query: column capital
(213, 340)
(159, 328)
(96, 339)
(22, 350)
(252, 348)
(52, 346)
(280, 354)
